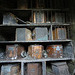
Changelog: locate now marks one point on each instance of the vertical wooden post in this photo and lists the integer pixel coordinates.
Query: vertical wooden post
(43, 68)
(22, 68)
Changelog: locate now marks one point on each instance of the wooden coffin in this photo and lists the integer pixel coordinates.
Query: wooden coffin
(55, 51)
(34, 69)
(9, 19)
(39, 17)
(14, 51)
(58, 18)
(68, 51)
(35, 51)
(23, 34)
(40, 34)
(60, 68)
(10, 69)
(59, 34)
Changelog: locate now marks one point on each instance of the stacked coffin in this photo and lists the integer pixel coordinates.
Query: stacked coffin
(40, 34)
(60, 68)
(34, 68)
(59, 34)
(10, 69)
(23, 34)
(58, 17)
(55, 51)
(14, 51)
(35, 51)
(9, 19)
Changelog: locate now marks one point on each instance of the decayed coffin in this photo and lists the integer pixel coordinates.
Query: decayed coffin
(40, 34)
(10, 69)
(35, 51)
(39, 17)
(23, 34)
(60, 68)
(9, 19)
(34, 69)
(55, 51)
(59, 34)
(14, 51)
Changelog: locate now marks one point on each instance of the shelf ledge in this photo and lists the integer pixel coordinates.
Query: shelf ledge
(35, 41)
(35, 60)
(35, 24)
